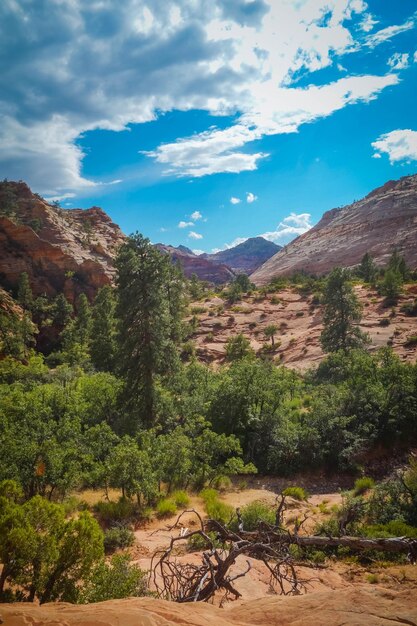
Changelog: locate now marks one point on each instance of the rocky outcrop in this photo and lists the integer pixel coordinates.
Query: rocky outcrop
(203, 268)
(69, 251)
(353, 606)
(385, 220)
(247, 256)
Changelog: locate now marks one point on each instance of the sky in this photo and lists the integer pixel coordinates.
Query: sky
(205, 122)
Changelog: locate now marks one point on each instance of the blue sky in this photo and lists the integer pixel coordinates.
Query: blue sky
(204, 122)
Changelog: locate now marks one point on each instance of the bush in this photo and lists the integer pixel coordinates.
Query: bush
(219, 511)
(362, 485)
(208, 494)
(411, 341)
(394, 528)
(385, 321)
(115, 512)
(222, 483)
(118, 537)
(181, 499)
(114, 580)
(197, 543)
(166, 508)
(254, 513)
(298, 493)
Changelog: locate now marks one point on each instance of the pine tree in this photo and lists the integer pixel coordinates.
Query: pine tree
(368, 269)
(103, 335)
(342, 314)
(24, 292)
(147, 320)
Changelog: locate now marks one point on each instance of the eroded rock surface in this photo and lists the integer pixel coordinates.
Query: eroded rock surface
(385, 220)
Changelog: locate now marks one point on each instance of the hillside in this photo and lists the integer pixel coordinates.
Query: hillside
(69, 251)
(204, 269)
(247, 256)
(386, 219)
(299, 321)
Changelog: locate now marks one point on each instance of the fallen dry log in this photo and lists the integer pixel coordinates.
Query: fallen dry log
(272, 536)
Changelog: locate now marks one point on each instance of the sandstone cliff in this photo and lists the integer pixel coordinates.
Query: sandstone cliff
(69, 251)
(211, 271)
(386, 219)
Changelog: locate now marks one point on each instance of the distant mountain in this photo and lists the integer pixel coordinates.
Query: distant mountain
(246, 257)
(385, 220)
(62, 250)
(205, 269)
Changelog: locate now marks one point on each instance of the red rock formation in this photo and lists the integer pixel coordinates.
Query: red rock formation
(205, 269)
(69, 251)
(386, 219)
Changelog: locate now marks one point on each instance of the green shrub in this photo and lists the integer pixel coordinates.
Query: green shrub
(411, 341)
(362, 485)
(219, 511)
(197, 543)
(197, 310)
(254, 513)
(181, 499)
(298, 493)
(110, 581)
(208, 494)
(372, 579)
(317, 556)
(118, 537)
(72, 504)
(394, 528)
(113, 512)
(165, 508)
(222, 483)
(385, 321)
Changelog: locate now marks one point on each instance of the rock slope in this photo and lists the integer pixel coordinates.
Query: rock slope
(386, 219)
(69, 251)
(355, 606)
(203, 268)
(247, 256)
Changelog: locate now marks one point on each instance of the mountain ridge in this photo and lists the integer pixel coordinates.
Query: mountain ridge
(383, 221)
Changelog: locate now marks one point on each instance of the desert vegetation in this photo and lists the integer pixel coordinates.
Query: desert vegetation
(105, 395)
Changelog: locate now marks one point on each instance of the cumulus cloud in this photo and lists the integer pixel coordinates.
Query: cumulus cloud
(291, 226)
(185, 224)
(234, 200)
(194, 235)
(250, 197)
(398, 61)
(196, 216)
(399, 145)
(198, 252)
(80, 66)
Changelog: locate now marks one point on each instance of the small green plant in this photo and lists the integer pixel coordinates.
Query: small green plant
(254, 513)
(317, 557)
(411, 341)
(165, 508)
(118, 537)
(181, 499)
(219, 511)
(198, 310)
(222, 483)
(114, 512)
(385, 321)
(298, 493)
(362, 485)
(372, 579)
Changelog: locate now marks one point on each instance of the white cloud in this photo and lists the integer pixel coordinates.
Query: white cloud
(234, 200)
(399, 145)
(367, 23)
(250, 197)
(196, 216)
(163, 229)
(291, 226)
(185, 224)
(385, 34)
(223, 57)
(64, 196)
(198, 252)
(194, 235)
(415, 57)
(398, 61)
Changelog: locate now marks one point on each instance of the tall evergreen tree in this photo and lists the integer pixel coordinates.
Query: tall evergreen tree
(103, 335)
(368, 269)
(24, 292)
(342, 314)
(147, 316)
